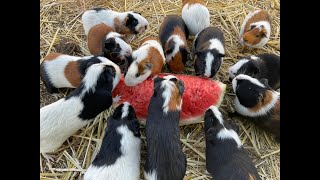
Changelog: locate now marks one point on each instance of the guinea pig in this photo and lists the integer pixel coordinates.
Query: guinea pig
(65, 71)
(129, 22)
(225, 156)
(165, 158)
(259, 66)
(196, 15)
(208, 51)
(119, 155)
(256, 29)
(173, 36)
(148, 62)
(256, 100)
(61, 119)
(102, 40)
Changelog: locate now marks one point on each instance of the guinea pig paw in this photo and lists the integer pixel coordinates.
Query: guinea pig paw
(116, 99)
(48, 157)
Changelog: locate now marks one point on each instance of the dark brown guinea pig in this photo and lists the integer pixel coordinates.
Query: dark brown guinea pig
(256, 100)
(173, 36)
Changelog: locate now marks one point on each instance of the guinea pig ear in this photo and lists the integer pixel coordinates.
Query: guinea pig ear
(110, 43)
(234, 126)
(252, 26)
(136, 12)
(169, 47)
(221, 55)
(148, 66)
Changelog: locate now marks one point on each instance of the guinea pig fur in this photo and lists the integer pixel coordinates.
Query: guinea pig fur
(256, 100)
(208, 51)
(148, 62)
(65, 71)
(225, 156)
(165, 159)
(129, 22)
(102, 40)
(61, 119)
(260, 66)
(119, 155)
(196, 15)
(256, 29)
(173, 36)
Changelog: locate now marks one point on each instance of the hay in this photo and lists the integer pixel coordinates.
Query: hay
(62, 20)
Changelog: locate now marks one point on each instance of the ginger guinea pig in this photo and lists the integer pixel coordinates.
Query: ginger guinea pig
(259, 66)
(173, 36)
(119, 154)
(65, 71)
(196, 15)
(256, 29)
(165, 158)
(208, 51)
(148, 61)
(258, 102)
(129, 22)
(102, 40)
(61, 119)
(225, 156)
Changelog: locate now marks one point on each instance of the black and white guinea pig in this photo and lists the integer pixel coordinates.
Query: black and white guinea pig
(65, 71)
(129, 22)
(119, 154)
(148, 61)
(173, 36)
(259, 66)
(61, 119)
(102, 40)
(225, 156)
(196, 15)
(257, 101)
(256, 29)
(208, 52)
(165, 158)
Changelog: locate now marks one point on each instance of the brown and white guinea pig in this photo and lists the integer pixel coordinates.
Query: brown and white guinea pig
(65, 71)
(148, 61)
(129, 22)
(196, 15)
(102, 40)
(173, 36)
(259, 66)
(165, 158)
(119, 155)
(256, 100)
(61, 119)
(256, 29)
(208, 51)
(225, 156)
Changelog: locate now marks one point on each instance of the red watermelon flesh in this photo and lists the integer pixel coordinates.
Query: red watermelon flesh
(200, 93)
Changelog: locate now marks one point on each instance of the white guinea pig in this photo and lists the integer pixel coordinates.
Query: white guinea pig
(122, 22)
(61, 119)
(148, 61)
(196, 15)
(119, 154)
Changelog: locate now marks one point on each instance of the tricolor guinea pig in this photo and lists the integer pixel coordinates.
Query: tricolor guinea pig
(65, 71)
(225, 156)
(61, 119)
(196, 15)
(208, 51)
(148, 61)
(119, 154)
(256, 100)
(173, 36)
(165, 158)
(256, 29)
(129, 22)
(259, 66)
(102, 40)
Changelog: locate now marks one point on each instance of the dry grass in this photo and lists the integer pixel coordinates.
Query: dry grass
(62, 20)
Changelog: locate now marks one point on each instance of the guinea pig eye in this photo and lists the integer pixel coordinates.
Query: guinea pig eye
(138, 74)
(257, 36)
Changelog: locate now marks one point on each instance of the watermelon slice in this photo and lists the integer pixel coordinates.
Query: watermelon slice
(200, 93)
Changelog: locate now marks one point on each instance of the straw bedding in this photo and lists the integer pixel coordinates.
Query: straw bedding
(61, 31)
